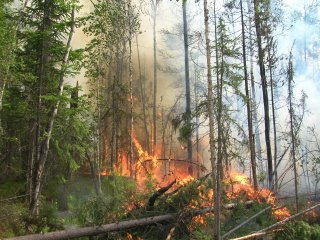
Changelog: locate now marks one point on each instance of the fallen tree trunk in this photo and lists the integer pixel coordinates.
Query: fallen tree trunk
(94, 231)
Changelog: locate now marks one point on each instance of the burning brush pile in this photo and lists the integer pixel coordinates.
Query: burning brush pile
(192, 202)
(165, 187)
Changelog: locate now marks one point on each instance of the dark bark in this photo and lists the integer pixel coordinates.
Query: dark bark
(257, 19)
(275, 142)
(154, 6)
(159, 193)
(248, 103)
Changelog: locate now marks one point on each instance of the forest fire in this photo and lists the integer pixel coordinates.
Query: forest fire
(238, 185)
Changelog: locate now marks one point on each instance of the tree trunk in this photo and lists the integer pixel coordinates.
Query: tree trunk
(255, 123)
(257, 20)
(210, 98)
(292, 132)
(217, 192)
(131, 88)
(187, 81)
(43, 60)
(143, 100)
(275, 142)
(154, 145)
(39, 171)
(248, 103)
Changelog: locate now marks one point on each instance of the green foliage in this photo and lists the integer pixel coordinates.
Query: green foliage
(118, 194)
(185, 125)
(299, 230)
(241, 213)
(11, 223)
(200, 234)
(47, 220)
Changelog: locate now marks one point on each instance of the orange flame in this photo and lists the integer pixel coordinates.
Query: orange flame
(239, 185)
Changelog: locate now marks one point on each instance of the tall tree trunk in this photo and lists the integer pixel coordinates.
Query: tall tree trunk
(40, 165)
(143, 100)
(130, 84)
(248, 103)
(218, 162)
(255, 121)
(187, 81)
(154, 145)
(272, 85)
(210, 93)
(43, 60)
(196, 76)
(258, 27)
(292, 133)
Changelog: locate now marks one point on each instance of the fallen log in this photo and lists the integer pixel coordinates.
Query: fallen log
(118, 226)
(94, 231)
(257, 235)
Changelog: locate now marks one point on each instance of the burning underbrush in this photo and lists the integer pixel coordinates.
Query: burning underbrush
(163, 186)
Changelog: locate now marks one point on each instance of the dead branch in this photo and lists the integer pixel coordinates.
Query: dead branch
(256, 235)
(171, 233)
(158, 193)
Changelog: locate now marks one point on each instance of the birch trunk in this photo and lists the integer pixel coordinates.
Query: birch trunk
(39, 171)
